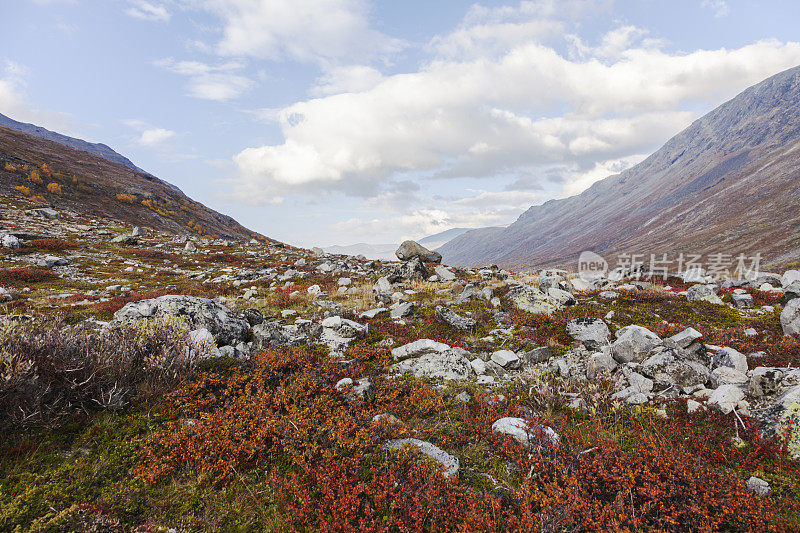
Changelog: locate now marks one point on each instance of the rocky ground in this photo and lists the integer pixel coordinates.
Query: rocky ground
(253, 386)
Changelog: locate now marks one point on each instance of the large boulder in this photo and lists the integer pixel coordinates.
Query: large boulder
(532, 300)
(449, 463)
(413, 269)
(592, 332)
(791, 292)
(789, 277)
(418, 348)
(634, 344)
(450, 365)
(705, 293)
(198, 312)
(790, 317)
(669, 371)
(410, 249)
(453, 319)
(730, 358)
(9, 241)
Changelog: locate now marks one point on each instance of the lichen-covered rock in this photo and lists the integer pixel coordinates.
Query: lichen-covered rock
(196, 311)
(790, 317)
(705, 293)
(592, 332)
(730, 358)
(450, 366)
(451, 318)
(765, 381)
(418, 348)
(450, 464)
(531, 300)
(634, 344)
(527, 435)
(9, 241)
(726, 398)
(506, 359)
(669, 371)
(600, 364)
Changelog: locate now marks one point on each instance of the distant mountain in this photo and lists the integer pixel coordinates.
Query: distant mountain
(436, 240)
(370, 251)
(50, 172)
(729, 184)
(78, 144)
(386, 251)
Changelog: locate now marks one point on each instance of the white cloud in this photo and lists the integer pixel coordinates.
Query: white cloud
(485, 31)
(143, 10)
(323, 31)
(155, 136)
(720, 7)
(211, 82)
(148, 135)
(14, 102)
(581, 181)
(485, 116)
(349, 79)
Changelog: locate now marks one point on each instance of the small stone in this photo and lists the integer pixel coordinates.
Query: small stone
(765, 381)
(726, 398)
(506, 359)
(450, 464)
(759, 486)
(692, 406)
(525, 434)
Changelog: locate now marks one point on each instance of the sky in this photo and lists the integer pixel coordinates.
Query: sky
(321, 122)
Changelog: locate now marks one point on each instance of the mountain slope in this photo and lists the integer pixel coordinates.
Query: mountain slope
(78, 144)
(51, 173)
(438, 239)
(726, 184)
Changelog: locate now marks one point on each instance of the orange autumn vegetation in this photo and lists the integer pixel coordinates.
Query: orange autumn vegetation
(127, 198)
(54, 188)
(281, 417)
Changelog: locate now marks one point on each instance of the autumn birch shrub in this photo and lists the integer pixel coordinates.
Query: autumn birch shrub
(50, 371)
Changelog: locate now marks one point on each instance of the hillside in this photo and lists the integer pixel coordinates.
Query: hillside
(49, 173)
(727, 183)
(98, 149)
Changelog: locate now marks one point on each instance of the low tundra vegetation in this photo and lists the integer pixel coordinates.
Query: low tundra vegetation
(271, 444)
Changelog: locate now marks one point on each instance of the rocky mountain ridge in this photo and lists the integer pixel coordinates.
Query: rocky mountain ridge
(728, 184)
(53, 175)
(98, 149)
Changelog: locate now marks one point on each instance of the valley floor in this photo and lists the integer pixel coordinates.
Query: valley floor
(156, 383)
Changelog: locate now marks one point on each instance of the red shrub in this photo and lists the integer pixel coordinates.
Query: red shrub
(148, 254)
(14, 276)
(50, 245)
